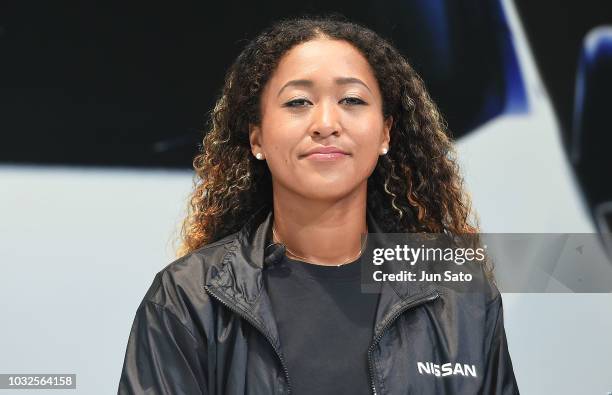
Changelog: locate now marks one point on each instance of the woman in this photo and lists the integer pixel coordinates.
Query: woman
(323, 133)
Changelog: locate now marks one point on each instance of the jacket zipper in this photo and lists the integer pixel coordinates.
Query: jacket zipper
(260, 329)
(432, 296)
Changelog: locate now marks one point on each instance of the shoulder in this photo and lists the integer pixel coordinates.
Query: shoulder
(178, 289)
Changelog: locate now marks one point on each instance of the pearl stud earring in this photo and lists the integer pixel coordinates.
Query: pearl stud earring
(384, 151)
(259, 156)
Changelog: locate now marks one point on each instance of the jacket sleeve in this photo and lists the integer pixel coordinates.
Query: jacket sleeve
(162, 356)
(498, 373)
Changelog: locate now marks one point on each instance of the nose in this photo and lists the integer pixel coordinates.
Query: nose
(326, 119)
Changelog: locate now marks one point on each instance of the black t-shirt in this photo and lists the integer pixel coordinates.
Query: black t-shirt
(325, 325)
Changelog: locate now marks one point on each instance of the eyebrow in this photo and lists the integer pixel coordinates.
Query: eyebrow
(310, 83)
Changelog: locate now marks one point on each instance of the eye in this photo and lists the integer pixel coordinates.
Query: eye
(353, 100)
(296, 103)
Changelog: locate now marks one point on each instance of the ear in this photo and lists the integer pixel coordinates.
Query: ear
(255, 138)
(387, 130)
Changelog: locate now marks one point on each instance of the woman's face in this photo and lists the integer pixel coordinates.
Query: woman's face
(323, 94)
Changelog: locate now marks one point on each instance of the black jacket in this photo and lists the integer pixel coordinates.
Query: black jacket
(206, 326)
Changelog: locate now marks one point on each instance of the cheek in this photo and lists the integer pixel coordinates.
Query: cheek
(281, 139)
(368, 135)
(368, 145)
(366, 159)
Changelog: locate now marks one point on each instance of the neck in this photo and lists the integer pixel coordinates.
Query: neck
(325, 232)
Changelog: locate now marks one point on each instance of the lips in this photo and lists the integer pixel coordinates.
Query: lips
(320, 151)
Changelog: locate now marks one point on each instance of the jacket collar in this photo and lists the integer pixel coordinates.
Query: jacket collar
(239, 283)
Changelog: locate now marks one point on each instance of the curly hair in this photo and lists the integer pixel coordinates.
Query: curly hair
(416, 187)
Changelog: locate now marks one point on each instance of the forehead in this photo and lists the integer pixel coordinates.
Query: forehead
(323, 58)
